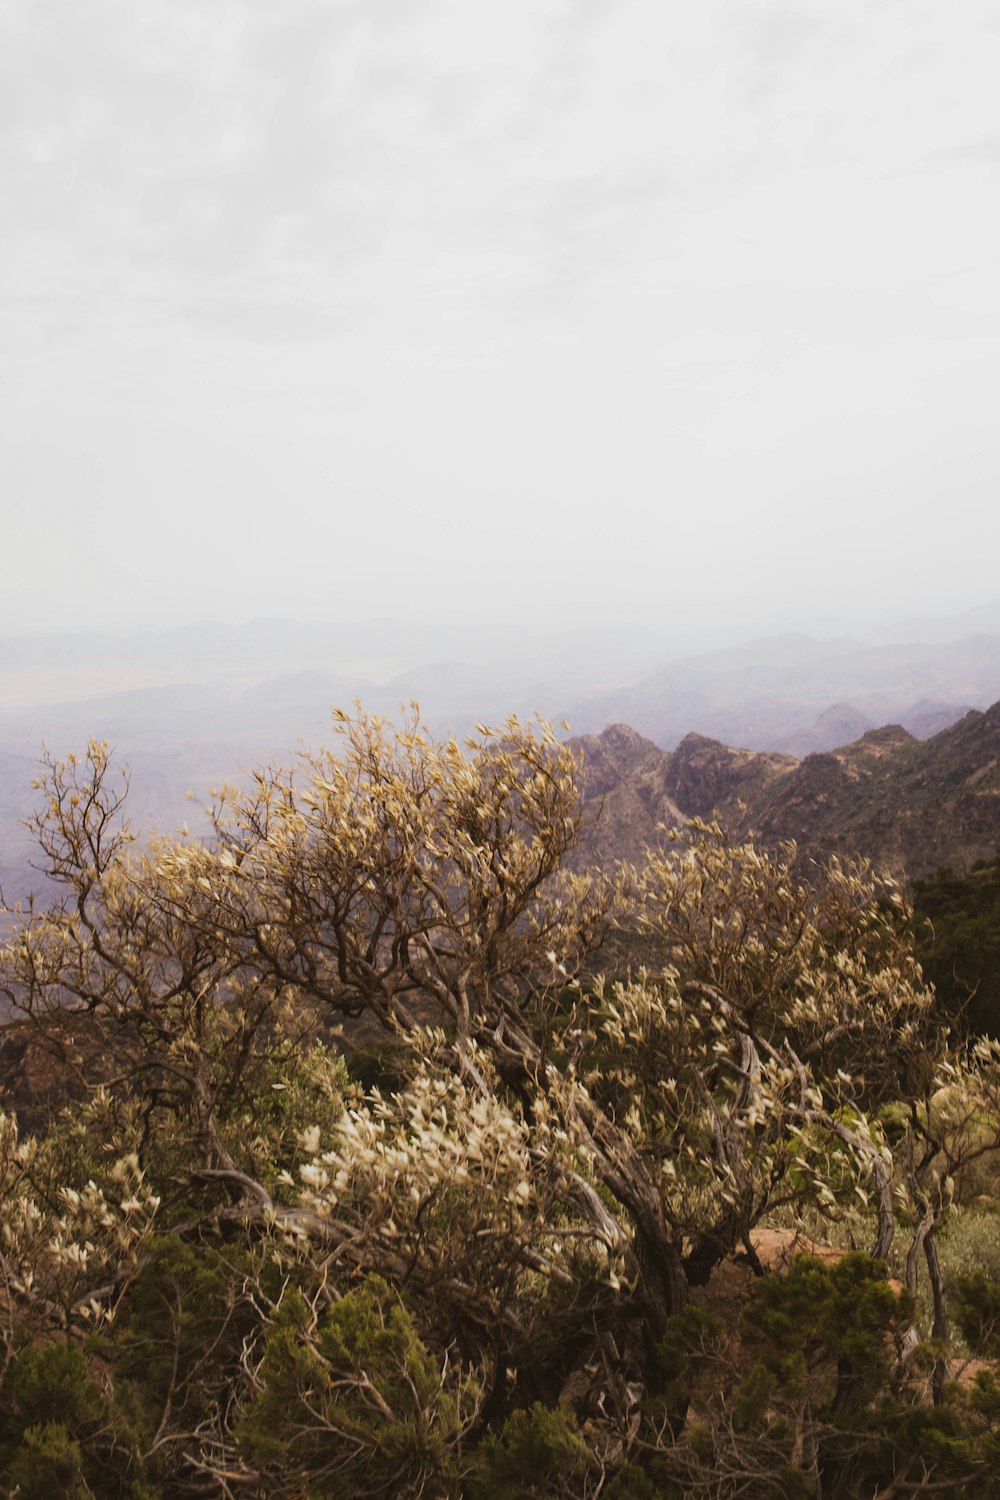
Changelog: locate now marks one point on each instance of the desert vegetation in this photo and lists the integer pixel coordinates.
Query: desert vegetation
(402, 1157)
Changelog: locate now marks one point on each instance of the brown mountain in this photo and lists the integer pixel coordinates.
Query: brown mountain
(909, 805)
(612, 755)
(625, 784)
(705, 776)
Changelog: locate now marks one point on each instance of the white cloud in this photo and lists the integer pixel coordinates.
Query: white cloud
(562, 276)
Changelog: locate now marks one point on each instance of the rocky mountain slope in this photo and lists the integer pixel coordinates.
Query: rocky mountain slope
(908, 804)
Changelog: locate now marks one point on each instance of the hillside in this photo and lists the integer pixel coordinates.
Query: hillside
(909, 805)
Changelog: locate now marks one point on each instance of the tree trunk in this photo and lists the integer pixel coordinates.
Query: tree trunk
(941, 1328)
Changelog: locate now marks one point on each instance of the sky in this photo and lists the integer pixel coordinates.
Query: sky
(447, 309)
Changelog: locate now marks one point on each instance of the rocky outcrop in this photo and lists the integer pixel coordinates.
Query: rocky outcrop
(611, 756)
(704, 776)
(906, 804)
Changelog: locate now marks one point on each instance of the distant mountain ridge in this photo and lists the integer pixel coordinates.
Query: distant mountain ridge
(796, 694)
(910, 805)
(190, 708)
(907, 804)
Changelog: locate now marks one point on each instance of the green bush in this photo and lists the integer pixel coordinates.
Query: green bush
(62, 1435)
(351, 1402)
(537, 1454)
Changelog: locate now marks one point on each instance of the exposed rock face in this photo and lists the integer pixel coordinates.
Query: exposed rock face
(631, 817)
(611, 755)
(818, 786)
(627, 799)
(908, 805)
(704, 776)
(912, 805)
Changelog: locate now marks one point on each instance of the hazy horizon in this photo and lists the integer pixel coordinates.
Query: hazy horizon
(449, 311)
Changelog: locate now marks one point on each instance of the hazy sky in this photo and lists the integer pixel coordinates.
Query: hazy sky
(333, 307)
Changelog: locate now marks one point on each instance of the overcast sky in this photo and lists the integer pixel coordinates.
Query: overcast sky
(397, 306)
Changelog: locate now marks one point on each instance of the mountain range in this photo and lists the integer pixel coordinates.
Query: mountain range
(909, 805)
(190, 708)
